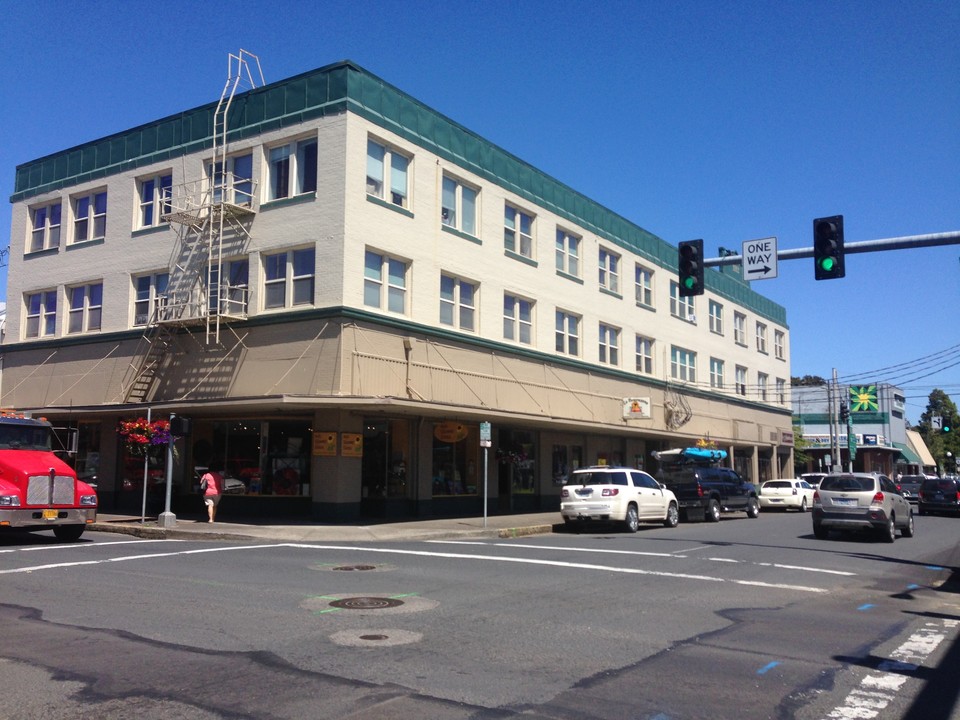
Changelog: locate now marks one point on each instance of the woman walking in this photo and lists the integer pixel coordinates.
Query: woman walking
(212, 483)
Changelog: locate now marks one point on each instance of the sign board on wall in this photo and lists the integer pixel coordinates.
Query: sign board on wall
(351, 445)
(636, 408)
(325, 443)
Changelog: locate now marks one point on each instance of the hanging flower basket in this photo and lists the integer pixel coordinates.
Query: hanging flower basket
(140, 436)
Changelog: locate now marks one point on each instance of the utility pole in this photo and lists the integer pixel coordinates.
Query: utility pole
(837, 466)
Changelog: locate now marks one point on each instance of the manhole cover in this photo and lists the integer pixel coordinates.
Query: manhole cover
(374, 637)
(355, 567)
(366, 603)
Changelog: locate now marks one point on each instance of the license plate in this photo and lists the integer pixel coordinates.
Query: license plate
(49, 514)
(845, 501)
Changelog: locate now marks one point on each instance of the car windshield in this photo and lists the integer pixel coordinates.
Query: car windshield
(778, 484)
(848, 483)
(599, 478)
(942, 485)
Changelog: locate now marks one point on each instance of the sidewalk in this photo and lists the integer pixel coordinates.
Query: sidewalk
(197, 528)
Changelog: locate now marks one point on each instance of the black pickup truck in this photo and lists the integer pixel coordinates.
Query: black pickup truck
(704, 490)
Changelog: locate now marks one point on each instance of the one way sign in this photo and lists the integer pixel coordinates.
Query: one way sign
(760, 259)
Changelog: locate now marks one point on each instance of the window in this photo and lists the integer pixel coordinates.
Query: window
(150, 296)
(683, 364)
(45, 233)
(517, 319)
(41, 314)
(609, 350)
(644, 355)
(90, 217)
(740, 328)
(229, 292)
(778, 344)
(288, 278)
(761, 338)
(155, 195)
(385, 282)
(781, 386)
(568, 333)
(292, 169)
(381, 163)
(716, 373)
(457, 302)
(459, 206)
(762, 380)
(236, 184)
(517, 232)
(643, 279)
(86, 308)
(568, 253)
(609, 270)
(741, 379)
(681, 307)
(716, 317)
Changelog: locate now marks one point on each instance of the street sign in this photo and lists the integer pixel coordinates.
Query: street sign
(485, 434)
(760, 259)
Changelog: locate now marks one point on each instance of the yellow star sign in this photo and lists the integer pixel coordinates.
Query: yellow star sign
(863, 398)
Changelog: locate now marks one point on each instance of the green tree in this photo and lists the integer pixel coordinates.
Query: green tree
(801, 458)
(807, 381)
(945, 447)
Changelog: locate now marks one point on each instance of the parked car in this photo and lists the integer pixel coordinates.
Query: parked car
(910, 486)
(939, 495)
(861, 501)
(617, 494)
(813, 478)
(706, 492)
(784, 494)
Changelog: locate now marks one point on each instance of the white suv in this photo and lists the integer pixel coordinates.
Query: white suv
(617, 494)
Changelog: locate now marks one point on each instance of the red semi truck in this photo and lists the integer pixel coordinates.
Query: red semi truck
(38, 490)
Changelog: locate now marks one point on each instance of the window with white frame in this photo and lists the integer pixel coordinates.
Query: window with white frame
(681, 307)
(233, 183)
(643, 282)
(609, 345)
(568, 333)
(609, 270)
(292, 169)
(716, 373)
(458, 206)
(740, 328)
(517, 319)
(779, 340)
(45, 231)
(288, 278)
(761, 338)
(762, 380)
(741, 380)
(229, 291)
(781, 386)
(41, 314)
(568, 253)
(517, 231)
(90, 217)
(683, 364)
(384, 282)
(155, 194)
(150, 296)
(716, 317)
(86, 308)
(384, 162)
(644, 355)
(457, 302)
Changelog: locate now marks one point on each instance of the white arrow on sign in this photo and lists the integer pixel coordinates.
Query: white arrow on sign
(760, 259)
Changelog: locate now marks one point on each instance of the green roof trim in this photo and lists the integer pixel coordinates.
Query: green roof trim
(341, 87)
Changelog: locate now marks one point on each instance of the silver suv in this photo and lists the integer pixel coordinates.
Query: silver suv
(861, 501)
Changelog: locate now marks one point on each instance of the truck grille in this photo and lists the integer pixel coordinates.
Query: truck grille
(41, 491)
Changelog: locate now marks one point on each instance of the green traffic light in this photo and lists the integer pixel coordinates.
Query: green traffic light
(827, 264)
(690, 283)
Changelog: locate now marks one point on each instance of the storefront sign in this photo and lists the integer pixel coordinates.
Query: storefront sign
(351, 444)
(636, 408)
(450, 432)
(325, 443)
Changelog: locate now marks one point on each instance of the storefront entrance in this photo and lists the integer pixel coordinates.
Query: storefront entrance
(385, 491)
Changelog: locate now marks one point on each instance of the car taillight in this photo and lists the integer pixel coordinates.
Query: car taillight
(699, 490)
(877, 499)
(816, 497)
(610, 492)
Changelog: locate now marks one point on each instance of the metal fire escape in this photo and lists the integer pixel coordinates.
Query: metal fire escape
(209, 215)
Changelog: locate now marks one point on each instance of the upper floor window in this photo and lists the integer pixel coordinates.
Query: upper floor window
(643, 280)
(41, 314)
(233, 183)
(384, 282)
(568, 333)
(761, 338)
(740, 328)
(86, 308)
(155, 194)
(609, 347)
(45, 232)
(741, 380)
(609, 270)
(229, 292)
(781, 385)
(90, 217)
(293, 169)
(568, 253)
(762, 380)
(517, 319)
(779, 340)
(716, 317)
(457, 302)
(681, 307)
(716, 373)
(150, 296)
(683, 364)
(459, 206)
(384, 162)
(288, 278)
(644, 355)
(517, 231)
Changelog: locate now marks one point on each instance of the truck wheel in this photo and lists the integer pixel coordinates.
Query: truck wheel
(673, 516)
(713, 511)
(632, 521)
(753, 508)
(68, 533)
(820, 532)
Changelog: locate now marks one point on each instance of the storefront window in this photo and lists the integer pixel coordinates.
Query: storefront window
(566, 459)
(516, 457)
(386, 445)
(455, 450)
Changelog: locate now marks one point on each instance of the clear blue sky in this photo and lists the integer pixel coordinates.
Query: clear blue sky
(721, 121)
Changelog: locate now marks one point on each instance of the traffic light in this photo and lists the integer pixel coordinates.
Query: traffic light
(844, 412)
(691, 268)
(828, 248)
(945, 426)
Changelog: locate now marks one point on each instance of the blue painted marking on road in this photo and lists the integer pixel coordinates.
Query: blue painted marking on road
(660, 716)
(934, 567)
(865, 606)
(913, 586)
(766, 668)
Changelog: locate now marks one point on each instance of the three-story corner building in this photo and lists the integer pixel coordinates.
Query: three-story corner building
(340, 287)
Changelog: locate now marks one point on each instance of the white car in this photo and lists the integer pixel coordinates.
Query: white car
(788, 493)
(617, 494)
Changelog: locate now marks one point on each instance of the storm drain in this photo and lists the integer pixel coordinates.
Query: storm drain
(375, 637)
(366, 603)
(351, 568)
(385, 604)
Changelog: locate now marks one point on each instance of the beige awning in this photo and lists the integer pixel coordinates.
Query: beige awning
(920, 448)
